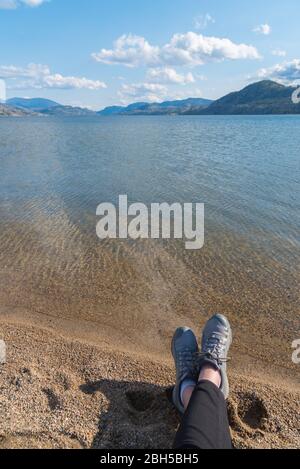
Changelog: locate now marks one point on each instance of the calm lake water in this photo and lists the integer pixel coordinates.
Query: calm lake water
(54, 173)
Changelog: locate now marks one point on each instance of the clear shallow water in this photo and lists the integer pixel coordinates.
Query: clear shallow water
(54, 173)
(245, 169)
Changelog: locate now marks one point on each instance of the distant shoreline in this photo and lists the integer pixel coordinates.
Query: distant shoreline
(262, 98)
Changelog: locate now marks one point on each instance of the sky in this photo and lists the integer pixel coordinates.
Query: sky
(98, 53)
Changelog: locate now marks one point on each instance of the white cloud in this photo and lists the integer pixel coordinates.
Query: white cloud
(150, 92)
(39, 76)
(287, 72)
(279, 53)
(13, 4)
(33, 3)
(183, 49)
(169, 76)
(196, 49)
(202, 21)
(32, 70)
(264, 29)
(2, 91)
(59, 81)
(131, 51)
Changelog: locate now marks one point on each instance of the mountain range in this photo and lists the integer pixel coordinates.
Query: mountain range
(42, 106)
(166, 107)
(264, 97)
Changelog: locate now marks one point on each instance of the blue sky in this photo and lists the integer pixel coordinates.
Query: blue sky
(96, 53)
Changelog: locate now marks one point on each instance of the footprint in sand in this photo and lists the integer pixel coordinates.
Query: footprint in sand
(140, 401)
(252, 411)
(137, 416)
(248, 415)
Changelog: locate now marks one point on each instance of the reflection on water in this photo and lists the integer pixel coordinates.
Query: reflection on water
(54, 173)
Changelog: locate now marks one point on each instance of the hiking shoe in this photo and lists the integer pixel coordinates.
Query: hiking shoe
(216, 342)
(184, 350)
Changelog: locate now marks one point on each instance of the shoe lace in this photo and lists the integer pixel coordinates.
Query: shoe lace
(186, 361)
(214, 349)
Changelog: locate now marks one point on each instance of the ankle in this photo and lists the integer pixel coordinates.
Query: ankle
(186, 391)
(209, 373)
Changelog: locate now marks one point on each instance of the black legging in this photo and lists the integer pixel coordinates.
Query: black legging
(205, 422)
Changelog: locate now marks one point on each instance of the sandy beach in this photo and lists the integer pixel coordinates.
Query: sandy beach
(62, 393)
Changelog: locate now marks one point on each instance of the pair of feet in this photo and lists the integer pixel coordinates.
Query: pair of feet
(190, 360)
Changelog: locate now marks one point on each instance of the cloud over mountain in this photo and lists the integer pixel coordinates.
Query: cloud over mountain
(169, 76)
(37, 76)
(189, 49)
(286, 72)
(152, 92)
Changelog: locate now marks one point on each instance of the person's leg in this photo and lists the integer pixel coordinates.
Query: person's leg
(205, 421)
(208, 373)
(184, 351)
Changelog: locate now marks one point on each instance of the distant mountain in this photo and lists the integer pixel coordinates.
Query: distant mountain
(67, 111)
(166, 107)
(136, 107)
(111, 111)
(189, 102)
(43, 107)
(264, 97)
(9, 111)
(33, 104)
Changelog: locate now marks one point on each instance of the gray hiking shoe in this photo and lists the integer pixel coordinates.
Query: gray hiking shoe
(216, 342)
(184, 350)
